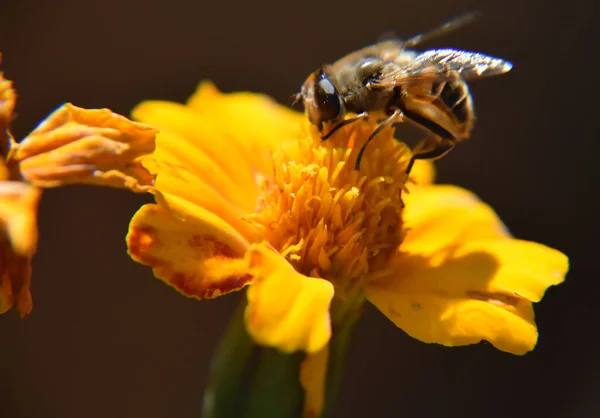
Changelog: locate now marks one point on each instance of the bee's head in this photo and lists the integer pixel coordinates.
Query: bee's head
(322, 100)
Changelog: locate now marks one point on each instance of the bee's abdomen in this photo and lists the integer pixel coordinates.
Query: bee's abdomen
(455, 95)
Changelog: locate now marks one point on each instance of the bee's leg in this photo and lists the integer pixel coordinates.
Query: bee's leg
(429, 150)
(395, 117)
(363, 115)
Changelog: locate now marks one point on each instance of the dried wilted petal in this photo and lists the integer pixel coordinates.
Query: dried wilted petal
(15, 281)
(97, 146)
(18, 239)
(4, 173)
(8, 98)
(18, 213)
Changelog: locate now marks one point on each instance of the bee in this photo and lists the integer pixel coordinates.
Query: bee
(391, 82)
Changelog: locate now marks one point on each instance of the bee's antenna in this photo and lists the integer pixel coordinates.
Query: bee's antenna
(297, 99)
(449, 26)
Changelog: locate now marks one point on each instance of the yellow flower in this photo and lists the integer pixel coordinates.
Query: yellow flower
(73, 145)
(248, 194)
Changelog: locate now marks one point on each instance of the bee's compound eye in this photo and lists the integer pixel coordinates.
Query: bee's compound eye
(328, 100)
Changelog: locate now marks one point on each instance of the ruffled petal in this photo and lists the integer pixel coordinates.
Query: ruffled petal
(224, 141)
(459, 278)
(313, 376)
(198, 134)
(286, 309)
(480, 291)
(436, 217)
(189, 184)
(75, 145)
(201, 258)
(178, 158)
(260, 122)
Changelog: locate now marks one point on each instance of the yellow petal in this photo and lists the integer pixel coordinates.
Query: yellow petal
(422, 174)
(313, 376)
(286, 309)
(188, 182)
(480, 290)
(75, 145)
(201, 258)
(437, 217)
(261, 122)
(198, 135)
(178, 158)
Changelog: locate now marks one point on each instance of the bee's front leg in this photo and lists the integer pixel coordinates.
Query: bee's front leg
(396, 117)
(363, 115)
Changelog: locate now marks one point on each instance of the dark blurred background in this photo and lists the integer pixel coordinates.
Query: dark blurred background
(106, 339)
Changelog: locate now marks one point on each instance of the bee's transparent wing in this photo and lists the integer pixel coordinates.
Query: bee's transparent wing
(441, 65)
(469, 65)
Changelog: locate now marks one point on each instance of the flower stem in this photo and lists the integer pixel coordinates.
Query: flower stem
(251, 381)
(343, 316)
(225, 395)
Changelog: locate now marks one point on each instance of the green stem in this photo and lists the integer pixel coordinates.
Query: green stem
(250, 381)
(224, 396)
(343, 316)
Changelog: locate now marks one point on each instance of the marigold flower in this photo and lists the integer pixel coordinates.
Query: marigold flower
(248, 194)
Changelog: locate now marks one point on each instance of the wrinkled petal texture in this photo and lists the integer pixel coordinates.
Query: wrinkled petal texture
(18, 240)
(286, 309)
(201, 259)
(75, 145)
(459, 277)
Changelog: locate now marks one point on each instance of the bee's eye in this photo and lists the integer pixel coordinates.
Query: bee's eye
(328, 100)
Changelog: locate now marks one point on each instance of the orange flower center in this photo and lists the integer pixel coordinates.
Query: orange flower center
(328, 219)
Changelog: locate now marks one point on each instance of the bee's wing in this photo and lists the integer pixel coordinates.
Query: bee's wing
(469, 65)
(433, 65)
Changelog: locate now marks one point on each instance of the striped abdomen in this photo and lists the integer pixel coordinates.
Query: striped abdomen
(454, 98)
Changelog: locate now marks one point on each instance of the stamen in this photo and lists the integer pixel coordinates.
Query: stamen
(325, 217)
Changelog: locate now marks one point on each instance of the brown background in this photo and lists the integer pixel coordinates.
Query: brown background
(105, 339)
